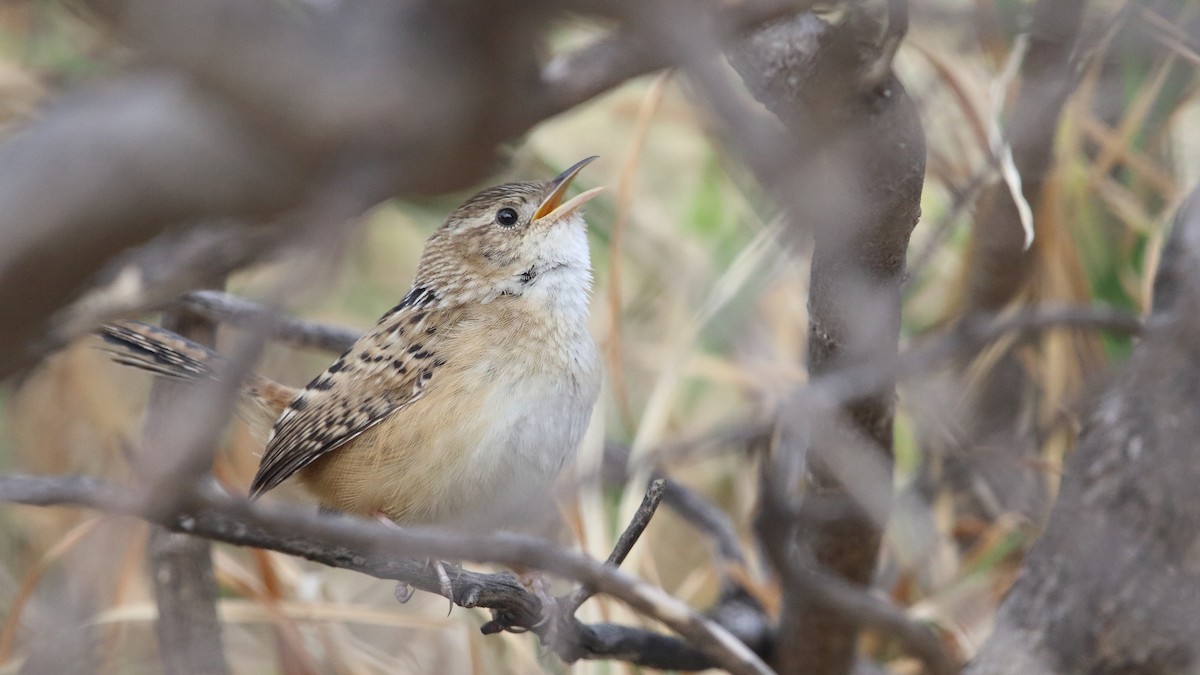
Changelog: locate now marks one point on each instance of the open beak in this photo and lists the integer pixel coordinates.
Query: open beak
(553, 207)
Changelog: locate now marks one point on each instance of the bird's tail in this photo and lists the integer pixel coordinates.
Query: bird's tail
(169, 354)
(159, 351)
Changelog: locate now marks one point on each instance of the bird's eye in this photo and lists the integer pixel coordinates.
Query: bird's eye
(506, 217)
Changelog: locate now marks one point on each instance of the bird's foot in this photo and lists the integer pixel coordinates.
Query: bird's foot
(444, 586)
(547, 626)
(404, 591)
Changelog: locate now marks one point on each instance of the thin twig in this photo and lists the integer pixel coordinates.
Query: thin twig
(692, 507)
(638, 523)
(633, 531)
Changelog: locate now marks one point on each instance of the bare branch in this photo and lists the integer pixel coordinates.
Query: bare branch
(159, 271)
(69, 491)
(250, 142)
(575, 77)
(81, 185)
(387, 553)
(960, 340)
(633, 531)
(804, 578)
(858, 193)
(698, 511)
(185, 590)
(637, 524)
(235, 311)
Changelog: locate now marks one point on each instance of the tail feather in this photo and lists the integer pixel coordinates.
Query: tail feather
(159, 351)
(169, 354)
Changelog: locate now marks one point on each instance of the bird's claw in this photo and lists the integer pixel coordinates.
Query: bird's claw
(444, 586)
(547, 626)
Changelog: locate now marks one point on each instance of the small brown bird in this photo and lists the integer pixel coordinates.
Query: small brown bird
(462, 404)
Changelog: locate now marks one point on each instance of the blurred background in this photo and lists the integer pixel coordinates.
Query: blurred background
(700, 311)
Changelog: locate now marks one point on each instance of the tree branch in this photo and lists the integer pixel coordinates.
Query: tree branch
(386, 553)
(185, 590)
(857, 190)
(230, 140)
(633, 532)
(235, 311)
(801, 574)
(695, 509)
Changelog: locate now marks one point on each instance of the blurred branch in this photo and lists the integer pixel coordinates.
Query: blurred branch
(777, 524)
(185, 594)
(235, 311)
(1111, 585)
(962, 339)
(81, 184)
(236, 135)
(709, 519)
(858, 191)
(399, 554)
(185, 590)
(1048, 74)
(159, 271)
(981, 458)
(999, 262)
(633, 50)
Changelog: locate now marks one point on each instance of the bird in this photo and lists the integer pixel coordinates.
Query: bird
(463, 403)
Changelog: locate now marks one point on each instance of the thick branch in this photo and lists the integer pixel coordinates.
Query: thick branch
(858, 192)
(848, 601)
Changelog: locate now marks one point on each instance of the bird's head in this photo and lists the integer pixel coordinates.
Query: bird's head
(510, 240)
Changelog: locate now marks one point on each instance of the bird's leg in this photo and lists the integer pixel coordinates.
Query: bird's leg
(538, 585)
(444, 584)
(404, 591)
